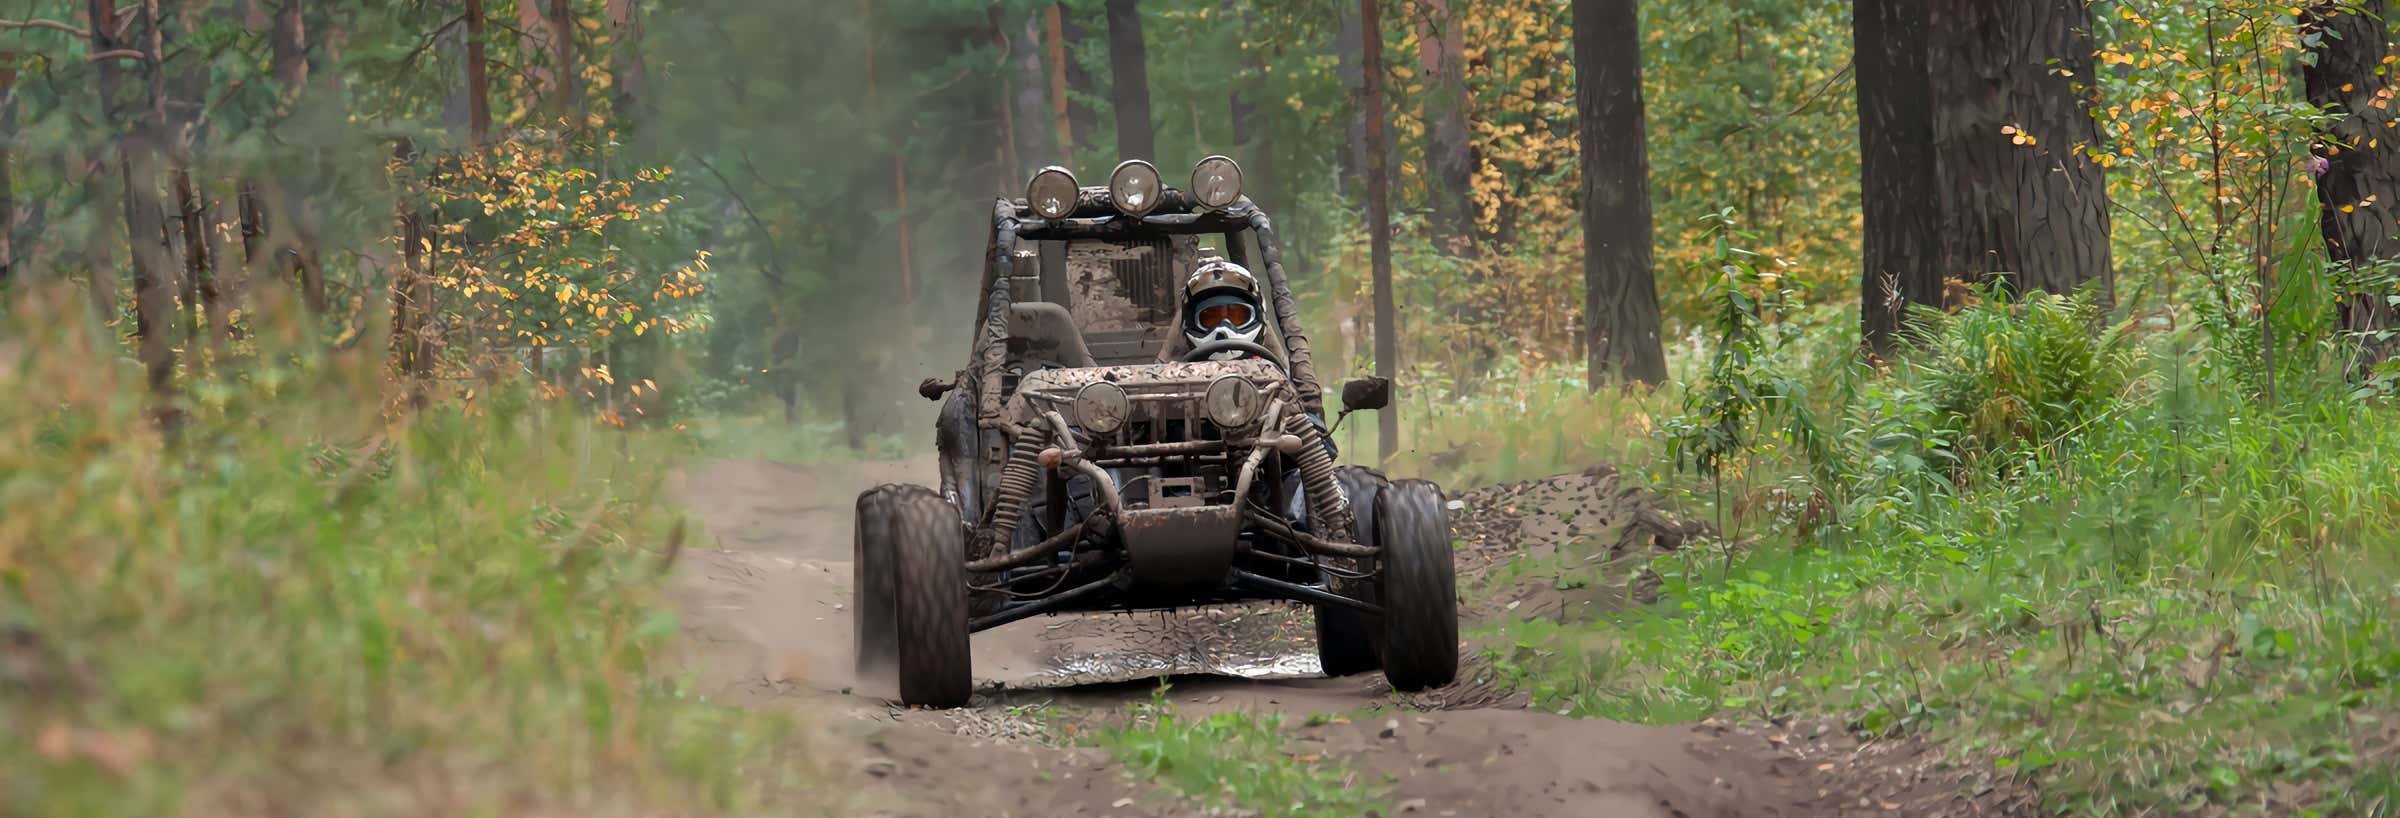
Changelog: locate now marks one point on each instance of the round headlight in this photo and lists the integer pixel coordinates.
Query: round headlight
(1052, 193)
(1100, 407)
(1232, 401)
(1217, 182)
(1135, 187)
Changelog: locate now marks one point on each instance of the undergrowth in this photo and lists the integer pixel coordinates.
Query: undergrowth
(304, 606)
(1237, 760)
(2097, 559)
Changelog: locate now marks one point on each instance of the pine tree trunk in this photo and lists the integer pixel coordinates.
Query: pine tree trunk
(143, 118)
(1620, 299)
(1349, 59)
(569, 96)
(1896, 166)
(297, 233)
(1082, 122)
(479, 87)
(1131, 88)
(1449, 148)
(1379, 225)
(193, 222)
(2360, 156)
(2011, 107)
(1036, 145)
(629, 71)
(8, 195)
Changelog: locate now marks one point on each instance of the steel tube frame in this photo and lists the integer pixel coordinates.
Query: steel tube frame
(1044, 605)
(1301, 593)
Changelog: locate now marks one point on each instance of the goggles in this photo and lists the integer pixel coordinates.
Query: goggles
(1226, 314)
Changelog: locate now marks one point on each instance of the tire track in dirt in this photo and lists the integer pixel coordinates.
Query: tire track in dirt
(767, 624)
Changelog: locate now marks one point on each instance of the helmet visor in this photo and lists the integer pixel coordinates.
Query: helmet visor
(1229, 313)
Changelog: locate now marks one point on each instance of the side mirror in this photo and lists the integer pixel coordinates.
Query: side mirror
(934, 388)
(1366, 393)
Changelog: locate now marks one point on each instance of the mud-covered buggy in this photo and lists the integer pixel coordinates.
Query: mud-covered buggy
(1093, 459)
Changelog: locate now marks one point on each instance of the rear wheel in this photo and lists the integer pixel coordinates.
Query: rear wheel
(1418, 587)
(1345, 636)
(911, 594)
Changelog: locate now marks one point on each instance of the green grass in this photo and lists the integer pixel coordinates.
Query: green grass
(308, 606)
(2183, 599)
(1235, 759)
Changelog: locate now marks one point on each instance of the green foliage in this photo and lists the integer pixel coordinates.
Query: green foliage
(303, 604)
(1743, 390)
(2005, 373)
(1234, 759)
(2144, 588)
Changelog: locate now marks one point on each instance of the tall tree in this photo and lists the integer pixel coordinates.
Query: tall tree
(479, 72)
(1131, 80)
(8, 192)
(1449, 148)
(1896, 165)
(1036, 145)
(2010, 110)
(568, 99)
(1081, 121)
(2359, 189)
(1379, 224)
(629, 71)
(295, 228)
(141, 116)
(1620, 292)
(1054, 64)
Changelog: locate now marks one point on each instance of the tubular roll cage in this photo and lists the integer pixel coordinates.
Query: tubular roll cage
(1096, 217)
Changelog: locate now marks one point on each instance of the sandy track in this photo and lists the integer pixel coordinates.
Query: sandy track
(767, 624)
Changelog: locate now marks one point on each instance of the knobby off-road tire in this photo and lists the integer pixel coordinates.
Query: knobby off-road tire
(911, 592)
(1346, 637)
(1419, 585)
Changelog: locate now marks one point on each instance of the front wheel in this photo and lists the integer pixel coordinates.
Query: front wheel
(1345, 636)
(910, 579)
(1418, 587)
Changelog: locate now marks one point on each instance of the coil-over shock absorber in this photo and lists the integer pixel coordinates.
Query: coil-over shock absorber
(1326, 503)
(1019, 476)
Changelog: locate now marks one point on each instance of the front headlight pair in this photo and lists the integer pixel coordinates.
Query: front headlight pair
(1135, 187)
(1231, 402)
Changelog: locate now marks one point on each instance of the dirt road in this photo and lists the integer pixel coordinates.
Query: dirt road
(767, 624)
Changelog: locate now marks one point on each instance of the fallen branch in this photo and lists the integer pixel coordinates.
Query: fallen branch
(53, 25)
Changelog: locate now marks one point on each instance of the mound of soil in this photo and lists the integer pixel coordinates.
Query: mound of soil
(1566, 547)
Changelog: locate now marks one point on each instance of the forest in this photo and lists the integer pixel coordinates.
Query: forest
(1919, 407)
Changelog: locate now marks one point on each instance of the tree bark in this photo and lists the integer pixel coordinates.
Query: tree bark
(908, 276)
(569, 99)
(144, 123)
(1349, 59)
(1131, 89)
(1896, 166)
(1379, 226)
(198, 289)
(2360, 155)
(479, 82)
(1036, 146)
(290, 67)
(2017, 200)
(8, 138)
(1054, 59)
(629, 71)
(1620, 298)
(1449, 148)
(1082, 123)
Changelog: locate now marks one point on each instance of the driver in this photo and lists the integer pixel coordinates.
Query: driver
(1220, 303)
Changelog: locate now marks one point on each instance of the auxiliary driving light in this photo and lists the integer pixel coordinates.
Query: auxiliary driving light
(1232, 401)
(1217, 182)
(1135, 187)
(1100, 407)
(1052, 193)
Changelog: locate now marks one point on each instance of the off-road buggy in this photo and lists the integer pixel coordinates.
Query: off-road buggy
(1090, 461)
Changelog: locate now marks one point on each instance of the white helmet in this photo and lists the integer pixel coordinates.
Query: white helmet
(1220, 303)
